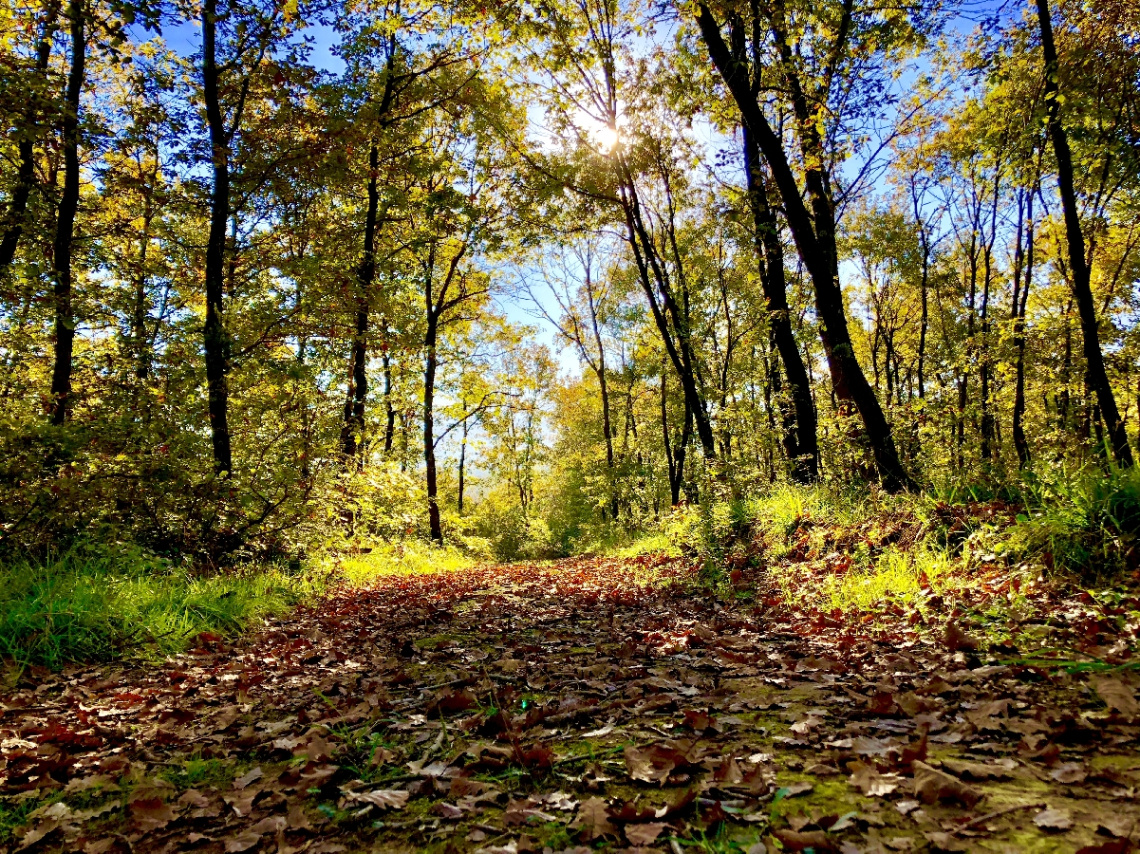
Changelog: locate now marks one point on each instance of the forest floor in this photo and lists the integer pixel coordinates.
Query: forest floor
(598, 703)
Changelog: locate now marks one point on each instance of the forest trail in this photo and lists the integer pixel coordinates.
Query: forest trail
(586, 703)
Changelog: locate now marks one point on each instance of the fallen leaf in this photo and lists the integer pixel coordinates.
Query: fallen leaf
(815, 840)
(593, 822)
(869, 781)
(644, 834)
(1117, 695)
(932, 785)
(1051, 819)
(395, 799)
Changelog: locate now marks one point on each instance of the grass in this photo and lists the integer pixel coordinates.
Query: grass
(90, 606)
(96, 605)
(407, 557)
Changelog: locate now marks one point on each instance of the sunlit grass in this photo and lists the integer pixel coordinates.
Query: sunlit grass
(902, 576)
(410, 557)
(80, 607)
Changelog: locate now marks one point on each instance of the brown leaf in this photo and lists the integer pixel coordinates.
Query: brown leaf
(869, 781)
(1115, 846)
(980, 770)
(593, 822)
(1118, 695)
(644, 834)
(151, 813)
(801, 841)
(395, 799)
(247, 778)
(956, 638)
(1069, 772)
(1051, 819)
(931, 785)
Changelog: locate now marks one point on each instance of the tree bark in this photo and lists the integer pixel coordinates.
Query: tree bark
(389, 407)
(435, 527)
(65, 220)
(814, 234)
(216, 338)
(1081, 274)
(25, 147)
(801, 442)
(668, 316)
(1020, 296)
(352, 431)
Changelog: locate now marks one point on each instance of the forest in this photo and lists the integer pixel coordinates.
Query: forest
(569, 425)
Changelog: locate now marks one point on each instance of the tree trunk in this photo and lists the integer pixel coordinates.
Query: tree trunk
(814, 233)
(352, 431)
(65, 220)
(654, 282)
(389, 407)
(603, 387)
(25, 147)
(430, 365)
(800, 442)
(216, 338)
(462, 459)
(1081, 274)
(1020, 295)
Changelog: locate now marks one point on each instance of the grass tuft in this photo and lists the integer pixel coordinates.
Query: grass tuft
(85, 606)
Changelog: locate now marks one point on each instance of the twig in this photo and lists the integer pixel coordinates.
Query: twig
(997, 813)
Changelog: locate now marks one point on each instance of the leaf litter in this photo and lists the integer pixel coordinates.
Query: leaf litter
(592, 703)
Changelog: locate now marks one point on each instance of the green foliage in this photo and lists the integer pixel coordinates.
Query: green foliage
(509, 531)
(1085, 522)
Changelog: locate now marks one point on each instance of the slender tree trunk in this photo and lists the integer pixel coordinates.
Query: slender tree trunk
(654, 281)
(462, 458)
(352, 431)
(800, 442)
(1020, 295)
(985, 367)
(431, 475)
(216, 338)
(603, 388)
(389, 407)
(25, 146)
(1082, 286)
(65, 220)
(814, 233)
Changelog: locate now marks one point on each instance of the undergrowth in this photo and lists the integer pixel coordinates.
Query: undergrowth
(853, 549)
(102, 603)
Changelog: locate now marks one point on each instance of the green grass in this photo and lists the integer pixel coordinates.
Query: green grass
(95, 604)
(89, 606)
(407, 557)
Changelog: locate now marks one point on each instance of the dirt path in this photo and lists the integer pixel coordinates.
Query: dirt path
(589, 703)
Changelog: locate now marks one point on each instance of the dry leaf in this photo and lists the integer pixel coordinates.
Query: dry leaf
(932, 785)
(1051, 819)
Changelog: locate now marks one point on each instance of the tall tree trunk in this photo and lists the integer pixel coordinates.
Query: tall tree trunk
(25, 146)
(139, 336)
(603, 388)
(674, 454)
(985, 367)
(800, 442)
(215, 337)
(65, 219)
(814, 233)
(1020, 295)
(462, 459)
(352, 431)
(667, 314)
(389, 407)
(1081, 274)
(432, 479)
